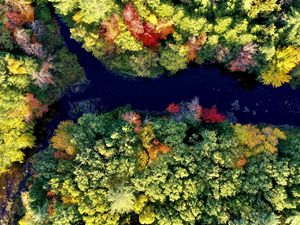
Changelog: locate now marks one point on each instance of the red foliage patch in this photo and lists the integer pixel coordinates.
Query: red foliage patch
(133, 20)
(144, 32)
(244, 59)
(212, 115)
(15, 19)
(50, 194)
(35, 107)
(149, 37)
(173, 108)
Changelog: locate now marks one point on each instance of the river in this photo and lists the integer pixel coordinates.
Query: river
(213, 86)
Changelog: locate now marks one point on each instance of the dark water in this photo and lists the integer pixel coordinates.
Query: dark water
(213, 86)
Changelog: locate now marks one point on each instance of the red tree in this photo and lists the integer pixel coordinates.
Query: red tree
(15, 19)
(36, 109)
(149, 37)
(173, 108)
(212, 115)
(133, 20)
(244, 59)
(144, 32)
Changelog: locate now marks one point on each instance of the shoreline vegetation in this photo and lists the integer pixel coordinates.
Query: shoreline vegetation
(35, 72)
(36, 69)
(188, 166)
(146, 38)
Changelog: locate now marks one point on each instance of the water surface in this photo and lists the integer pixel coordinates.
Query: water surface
(213, 86)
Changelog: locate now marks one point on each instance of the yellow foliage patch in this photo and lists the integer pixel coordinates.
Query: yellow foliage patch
(277, 72)
(152, 19)
(15, 67)
(256, 141)
(78, 17)
(62, 140)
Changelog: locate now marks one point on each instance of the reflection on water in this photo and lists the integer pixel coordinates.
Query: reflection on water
(214, 86)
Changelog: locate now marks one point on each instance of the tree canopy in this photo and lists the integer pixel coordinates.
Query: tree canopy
(251, 36)
(127, 167)
(34, 72)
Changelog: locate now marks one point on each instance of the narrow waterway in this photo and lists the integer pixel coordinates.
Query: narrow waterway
(213, 86)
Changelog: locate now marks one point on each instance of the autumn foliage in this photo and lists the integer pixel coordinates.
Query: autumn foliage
(157, 149)
(133, 118)
(212, 115)
(194, 45)
(44, 77)
(258, 140)
(244, 59)
(164, 29)
(110, 29)
(172, 170)
(173, 108)
(151, 144)
(32, 56)
(62, 140)
(20, 16)
(15, 19)
(35, 108)
(146, 38)
(195, 108)
(196, 111)
(145, 32)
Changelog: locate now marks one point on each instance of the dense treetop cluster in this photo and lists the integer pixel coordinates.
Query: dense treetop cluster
(149, 37)
(188, 165)
(179, 168)
(34, 72)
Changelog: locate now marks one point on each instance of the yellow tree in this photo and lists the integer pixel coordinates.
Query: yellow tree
(62, 140)
(16, 131)
(253, 141)
(277, 72)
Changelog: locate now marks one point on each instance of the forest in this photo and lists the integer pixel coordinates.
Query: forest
(150, 37)
(187, 165)
(34, 73)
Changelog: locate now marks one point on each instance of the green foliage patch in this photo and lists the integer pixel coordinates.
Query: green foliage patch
(174, 169)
